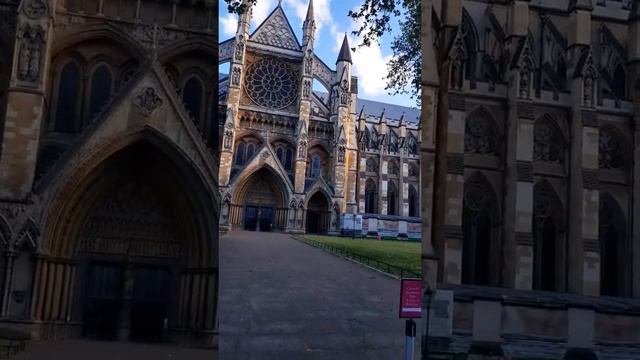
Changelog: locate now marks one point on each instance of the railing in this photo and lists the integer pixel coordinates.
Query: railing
(394, 270)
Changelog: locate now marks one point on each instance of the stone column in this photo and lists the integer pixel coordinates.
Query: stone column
(403, 164)
(8, 282)
(583, 260)
(518, 211)
(633, 68)
(580, 331)
(26, 100)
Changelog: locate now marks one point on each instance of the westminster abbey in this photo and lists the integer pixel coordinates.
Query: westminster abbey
(108, 175)
(295, 158)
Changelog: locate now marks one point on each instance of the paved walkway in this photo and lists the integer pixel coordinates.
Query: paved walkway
(99, 350)
(282, 299)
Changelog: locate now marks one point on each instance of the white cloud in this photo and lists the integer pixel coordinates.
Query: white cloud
(229, 25)
(261, 10)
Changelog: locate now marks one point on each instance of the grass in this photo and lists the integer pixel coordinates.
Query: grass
(399, 253)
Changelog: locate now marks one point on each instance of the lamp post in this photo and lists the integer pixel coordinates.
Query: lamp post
(429, 293)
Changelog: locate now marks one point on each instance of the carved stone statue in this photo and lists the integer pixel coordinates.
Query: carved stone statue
(235, 76)
(524, 83)
(344, 95)
(302, 149)
(306, 89)
(240, 48)
(588, 91)
(456, 74)
(341, 151)
(228, 135)
(308, 63)
(30, 54)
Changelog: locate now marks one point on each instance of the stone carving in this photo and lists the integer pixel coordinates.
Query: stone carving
(344, 93)
(228, 135)
(547, 144)
(524, 62)
(302, 147)
(478, 136)
(275, 31)
(35, 9)
(306, 88)
(308, 62)
(588, 92)
(610, 155)
(322, 71)
(457, 57)
(30, 55)
(225, 50)
(525, 83)
(235, 76)
(147, 101)
(154, 37)
(264, 156)
(589, 77)
(341, 150)
(240, 48)
(476, 197)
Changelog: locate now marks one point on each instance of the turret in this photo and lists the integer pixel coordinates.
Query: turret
(309, 28)
(343, 71)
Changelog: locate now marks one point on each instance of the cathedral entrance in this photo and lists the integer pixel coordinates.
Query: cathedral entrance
(318, 215)
(260, 200)
(136, 261)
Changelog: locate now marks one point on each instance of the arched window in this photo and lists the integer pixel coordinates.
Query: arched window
(393, 142)
(372, 165)
(240, 154)
(371, 197)
(192, 95)
(414, 201)
(101, 89)
(68, 97)
(618, 83)
(412, 145)
(614, 254)
(477, 229)
(288, 160)
(393, 168)
(279, 155)
(250, 150)
(315, 166)
(392, 199)
(548, 143)
(479, 137)
(548, 238)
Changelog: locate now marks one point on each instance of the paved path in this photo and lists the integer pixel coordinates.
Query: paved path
(103, 350)
(282, 299)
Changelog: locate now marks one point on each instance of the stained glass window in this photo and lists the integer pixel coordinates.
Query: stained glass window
(270, 83)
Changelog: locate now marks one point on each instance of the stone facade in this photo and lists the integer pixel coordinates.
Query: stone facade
(294, 158)
(529, 153)
(108, 175)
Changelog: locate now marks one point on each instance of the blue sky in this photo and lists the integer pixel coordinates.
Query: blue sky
(331, 23)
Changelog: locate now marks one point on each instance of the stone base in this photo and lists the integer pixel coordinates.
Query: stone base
(580, 354)
(39, 330)
(485, 350)
(207, 339)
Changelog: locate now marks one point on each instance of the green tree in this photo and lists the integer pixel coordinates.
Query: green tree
(375, 19)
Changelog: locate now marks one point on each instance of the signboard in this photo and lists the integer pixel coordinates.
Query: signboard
(359, 223)
(347, 222)
(410, 298)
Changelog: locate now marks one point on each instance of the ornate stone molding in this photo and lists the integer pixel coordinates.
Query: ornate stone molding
(35, 9)
(524, 171)
(591, 244)
(455, 163)
(590, 179)
(524, 238)
(30, 54)
(524, 110)
(457, 101)
(147, 101)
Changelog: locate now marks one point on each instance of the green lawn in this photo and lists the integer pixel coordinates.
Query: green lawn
(400, 253)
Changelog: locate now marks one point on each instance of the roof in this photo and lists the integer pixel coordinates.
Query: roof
(345, 52)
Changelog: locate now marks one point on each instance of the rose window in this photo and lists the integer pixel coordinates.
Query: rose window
(270, 83)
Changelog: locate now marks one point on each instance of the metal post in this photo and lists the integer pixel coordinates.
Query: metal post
(410, 333)
(353, 234)
(429, 294)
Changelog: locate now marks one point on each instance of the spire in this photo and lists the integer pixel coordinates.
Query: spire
(345, 52)
(309, 12)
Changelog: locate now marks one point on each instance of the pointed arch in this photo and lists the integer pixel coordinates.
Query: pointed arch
(414, 201)
(615, 262)
(193, 93)
(68, 96)
(614, 151)
(371, 197)
(472, 44)
(392, 198)
(481, 135)
(549, 237)
(102, 32)
(550, 144)
(101, 88)
(481, 246)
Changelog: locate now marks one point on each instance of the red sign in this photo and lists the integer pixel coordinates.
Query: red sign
(410, 298)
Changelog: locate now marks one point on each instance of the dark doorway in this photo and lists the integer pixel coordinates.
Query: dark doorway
(266, 218)
(251, 218)
(150, 303)
(318, 214)
(102, 301)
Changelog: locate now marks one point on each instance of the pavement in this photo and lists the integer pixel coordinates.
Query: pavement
(283, 299)
(105, 350)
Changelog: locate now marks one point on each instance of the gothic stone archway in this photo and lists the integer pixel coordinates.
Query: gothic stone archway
(259, 203)
(132, 251)
(318, 217)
